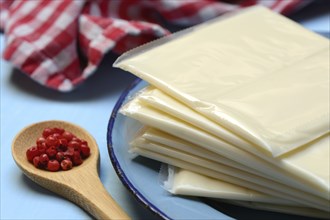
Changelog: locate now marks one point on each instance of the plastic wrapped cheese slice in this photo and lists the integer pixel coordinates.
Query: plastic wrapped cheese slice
(165, 103)
(182, 146)
(289, 175)
(157, 136)
(217, 171)
(184, 182)
(162, 102)
(256, 73)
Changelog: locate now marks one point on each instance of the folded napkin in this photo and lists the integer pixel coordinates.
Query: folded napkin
(61, 43)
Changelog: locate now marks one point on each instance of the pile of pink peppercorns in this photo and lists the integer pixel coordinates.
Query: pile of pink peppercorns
(58, 149)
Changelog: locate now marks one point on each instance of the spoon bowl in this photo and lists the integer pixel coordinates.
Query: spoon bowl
(81, 184)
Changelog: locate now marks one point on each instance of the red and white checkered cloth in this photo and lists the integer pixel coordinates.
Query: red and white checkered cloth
(49, 39)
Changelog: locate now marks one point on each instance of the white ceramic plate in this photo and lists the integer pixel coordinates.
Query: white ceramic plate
(140, 176)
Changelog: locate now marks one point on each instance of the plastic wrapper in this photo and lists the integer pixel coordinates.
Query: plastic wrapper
(257, 74)
(280, 170)
(179, 158)
(242, 99)
(183, 182)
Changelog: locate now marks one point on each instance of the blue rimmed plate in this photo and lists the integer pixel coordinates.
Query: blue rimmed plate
(140, 176)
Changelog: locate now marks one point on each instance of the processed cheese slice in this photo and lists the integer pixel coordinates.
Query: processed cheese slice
(318, 151)
(290, 175)
(167, 155)
(184, 182)
(256, 73)
(165, 103)
(299, 159)
(157, 136)
(286, 207)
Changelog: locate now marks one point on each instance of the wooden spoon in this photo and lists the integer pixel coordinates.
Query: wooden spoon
(81, 184)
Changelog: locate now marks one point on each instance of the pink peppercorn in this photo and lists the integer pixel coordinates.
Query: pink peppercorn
(53, 165)
(51, 151)
(46, 132)
(31, 153)
(36, 161)
(66, 164)
(43, 158)
(58, 149)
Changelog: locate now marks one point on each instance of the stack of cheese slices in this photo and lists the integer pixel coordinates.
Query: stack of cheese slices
(241, 105)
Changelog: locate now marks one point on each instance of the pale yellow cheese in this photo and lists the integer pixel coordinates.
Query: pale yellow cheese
(228, 174)
(257, 74)
(157, 136)
(305, 159)
(184, 182)
(188, 183)
(161, 101)
(282, 172)
(254, 90)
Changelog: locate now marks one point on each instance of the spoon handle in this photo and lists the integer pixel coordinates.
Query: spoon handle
(88, 192)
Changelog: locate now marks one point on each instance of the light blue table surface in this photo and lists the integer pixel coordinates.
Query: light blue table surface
(24, 102)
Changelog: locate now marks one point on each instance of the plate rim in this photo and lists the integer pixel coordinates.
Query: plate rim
(115, 163)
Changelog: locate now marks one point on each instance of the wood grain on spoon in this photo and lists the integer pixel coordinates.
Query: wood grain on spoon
(81, 184)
